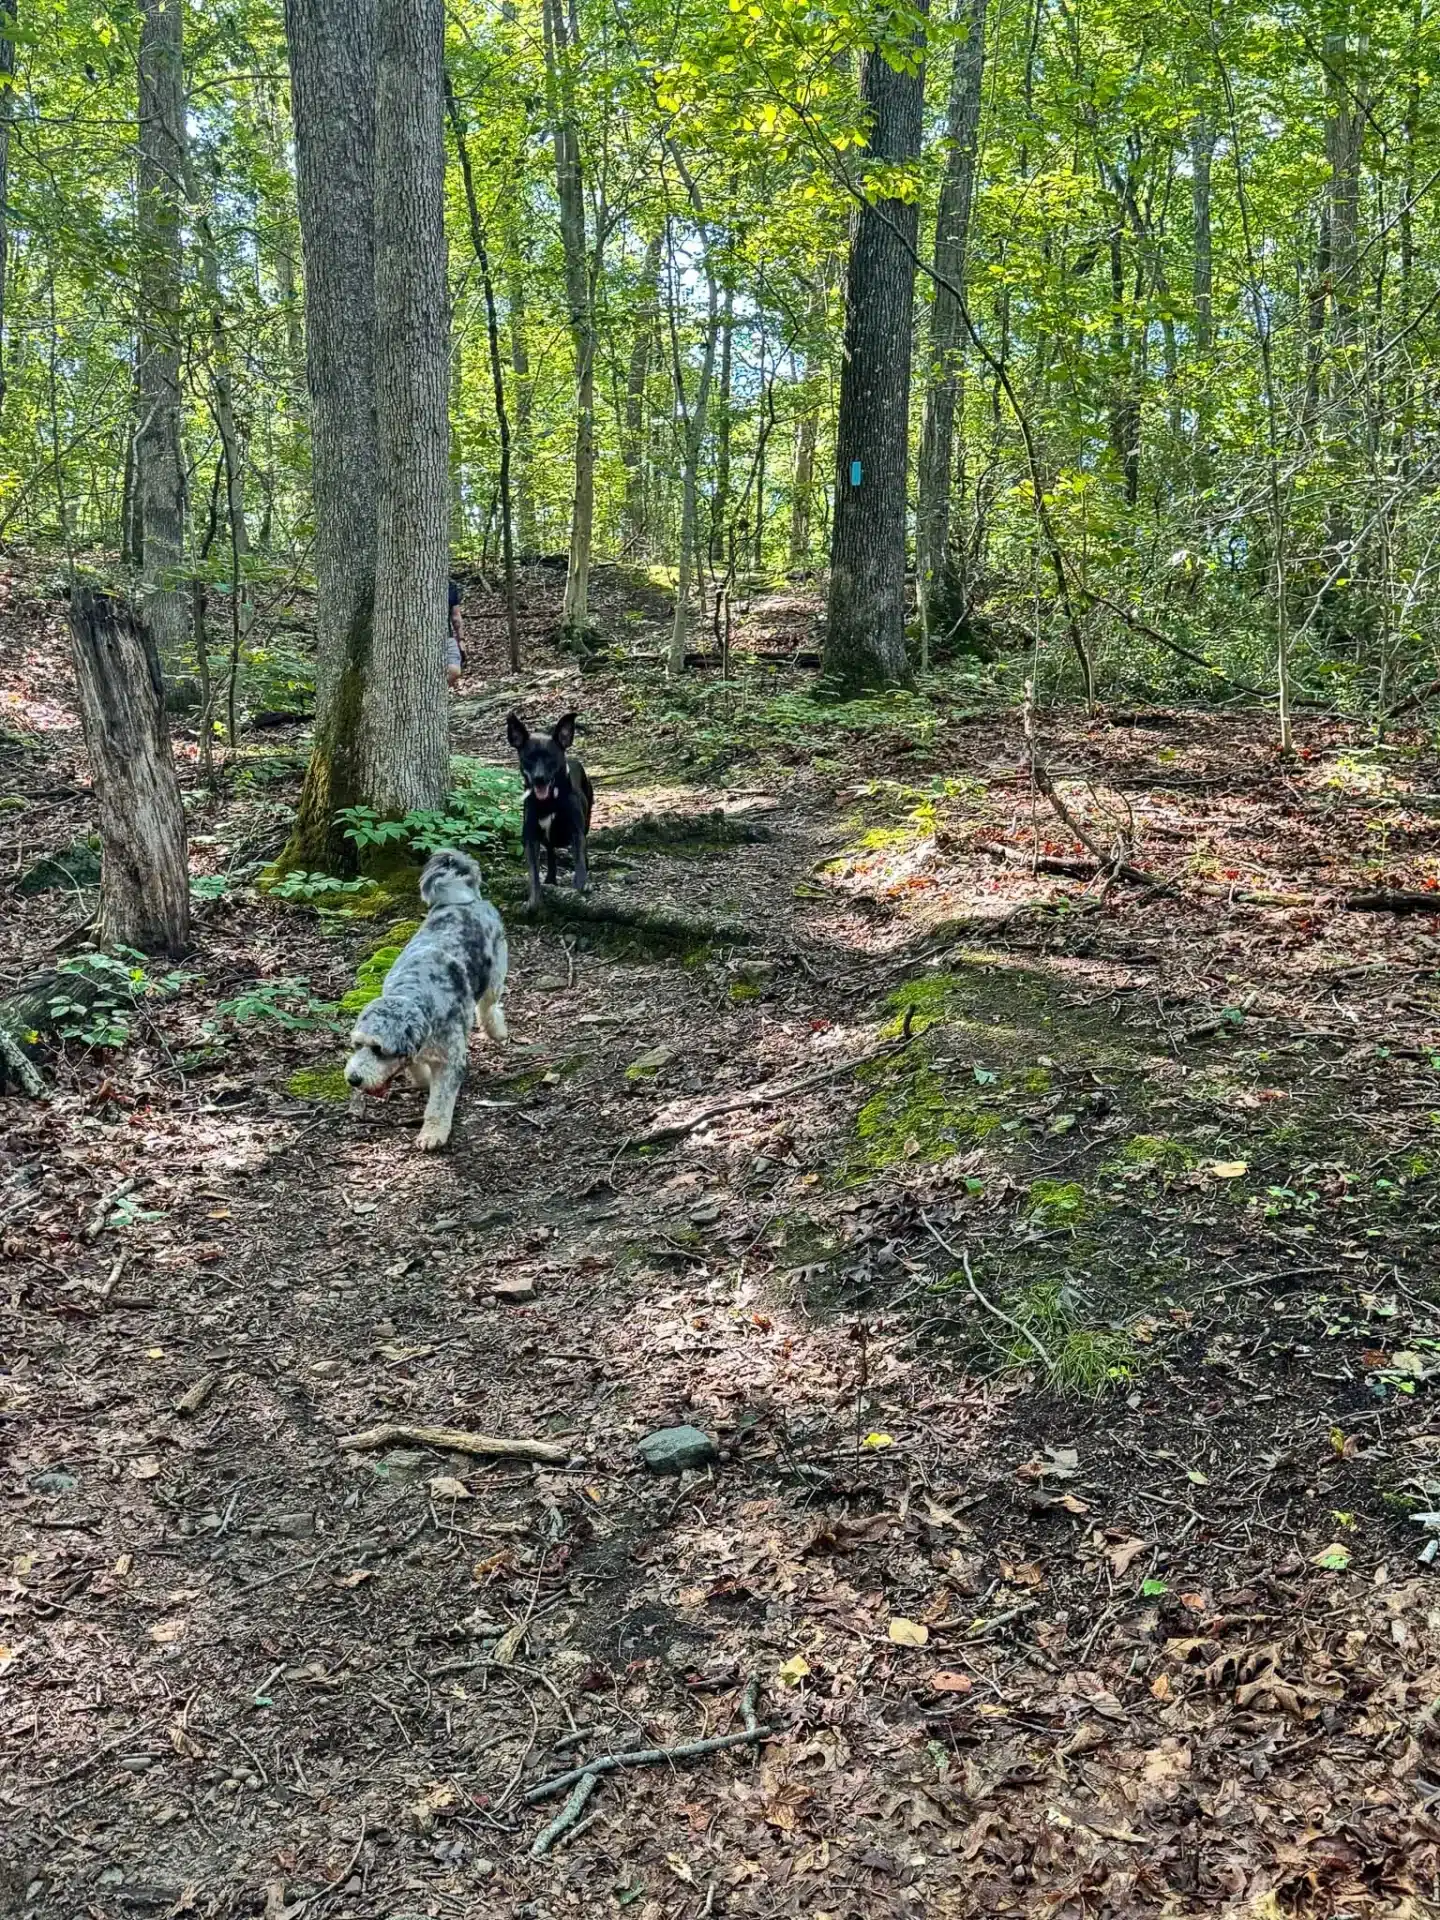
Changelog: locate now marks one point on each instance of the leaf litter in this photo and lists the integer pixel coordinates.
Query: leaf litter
(1101, 1650)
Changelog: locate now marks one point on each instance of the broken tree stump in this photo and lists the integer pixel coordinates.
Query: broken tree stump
(144, 870)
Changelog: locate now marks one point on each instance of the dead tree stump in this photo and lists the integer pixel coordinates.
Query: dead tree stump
(144, 869)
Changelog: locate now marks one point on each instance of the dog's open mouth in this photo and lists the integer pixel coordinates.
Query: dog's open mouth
(542, 789)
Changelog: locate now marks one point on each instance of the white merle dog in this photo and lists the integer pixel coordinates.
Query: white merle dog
(448, 977)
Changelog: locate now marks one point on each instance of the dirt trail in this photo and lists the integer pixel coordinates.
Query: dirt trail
(1168, 1650)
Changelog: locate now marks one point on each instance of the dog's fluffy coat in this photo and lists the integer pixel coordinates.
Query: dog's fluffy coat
(448, 977)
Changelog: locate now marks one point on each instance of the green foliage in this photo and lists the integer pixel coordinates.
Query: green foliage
(309, 888)
(99, 1010)
(481, 816)
(285, 1003)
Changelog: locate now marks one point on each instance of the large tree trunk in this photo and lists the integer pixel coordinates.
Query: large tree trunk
(159, 461)
(635, 517)
(947, 324)
(332, 90)
(406, 714)
(144, 873)
(865, 615)
(570, 191)
(7, 115)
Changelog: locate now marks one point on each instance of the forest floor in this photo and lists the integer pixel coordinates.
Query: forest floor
(1139, 1627)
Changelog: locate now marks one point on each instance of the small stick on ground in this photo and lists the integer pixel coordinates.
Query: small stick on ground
(583, 1779)
(486, 1446)
(95, 1226)
(963, 1258)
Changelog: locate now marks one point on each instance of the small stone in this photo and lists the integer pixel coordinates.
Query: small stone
(507, 1292)
(676, 1449)
(53, 1480)
(550, 983)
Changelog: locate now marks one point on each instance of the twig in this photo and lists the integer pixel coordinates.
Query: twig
(566, 1817)
(1014, 1325)
(770, 1092)
(96, 1223)
(457, 1440)
(112, 1278)
(582, 1779)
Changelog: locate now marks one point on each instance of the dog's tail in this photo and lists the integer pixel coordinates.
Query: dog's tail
(450, 878)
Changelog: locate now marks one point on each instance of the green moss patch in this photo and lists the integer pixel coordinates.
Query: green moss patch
(370, 978)
(319, 1083)
(1154, 1152)
(913, 1116)
(1056, 1204)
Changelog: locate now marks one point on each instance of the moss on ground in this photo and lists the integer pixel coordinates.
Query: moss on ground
(319, 1083)
(370, 975)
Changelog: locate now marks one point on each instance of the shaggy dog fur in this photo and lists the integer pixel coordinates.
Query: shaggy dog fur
(448, 977)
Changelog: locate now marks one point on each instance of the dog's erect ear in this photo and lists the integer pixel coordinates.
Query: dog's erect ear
(516, 732)
(563, 732)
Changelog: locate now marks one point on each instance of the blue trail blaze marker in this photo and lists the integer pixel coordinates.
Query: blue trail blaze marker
(855, 473)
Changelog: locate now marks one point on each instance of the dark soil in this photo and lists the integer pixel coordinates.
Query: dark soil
(1147, 1632)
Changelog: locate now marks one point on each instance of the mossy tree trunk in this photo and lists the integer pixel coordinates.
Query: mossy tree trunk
(332, 85)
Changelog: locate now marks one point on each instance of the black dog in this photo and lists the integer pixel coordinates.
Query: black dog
(559, 799)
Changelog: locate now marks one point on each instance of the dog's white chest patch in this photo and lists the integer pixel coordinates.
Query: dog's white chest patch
(546, 821)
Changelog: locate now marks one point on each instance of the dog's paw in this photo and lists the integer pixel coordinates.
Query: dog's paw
(433, 1135)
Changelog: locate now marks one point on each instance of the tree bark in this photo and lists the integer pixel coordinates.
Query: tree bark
(332, 87)
(159, 461)
(570, 191)
(692, 418)
(7, 115)
(635, 516)
(865, 614)
(1202, 153)
(947, 326)
(524, 404)
(497, 373)
(720, 511)
(144, 873)
(406, 721)
(802, 482)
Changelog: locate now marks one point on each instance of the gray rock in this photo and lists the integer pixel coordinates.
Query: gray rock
(674, 1449)
(53, 1480)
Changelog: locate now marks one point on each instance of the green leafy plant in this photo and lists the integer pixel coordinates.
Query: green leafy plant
(98, 1010)
(481, 815)
(309, 887)
(286, 1002)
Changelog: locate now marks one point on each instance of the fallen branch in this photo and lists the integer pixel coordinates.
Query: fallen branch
(1375, 900)
(583, 1779)
(769, 1093)
(17, 1066)
(1014, 1325)
(1413, 700)
(485, 1446)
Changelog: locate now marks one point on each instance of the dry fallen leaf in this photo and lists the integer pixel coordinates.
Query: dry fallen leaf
(446, 1487)
(793, 1671)
(355, 1579)
(908, 1633)
(147, 1467)
(1123, 1555)
(508, 1645)
(946, 1682)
